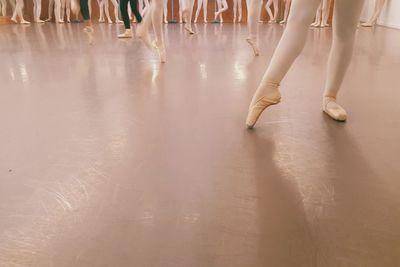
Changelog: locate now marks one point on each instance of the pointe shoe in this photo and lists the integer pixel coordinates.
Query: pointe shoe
(60, 22)
(282, 22)
(14, 20)
(24, 21)
(165, 21)
(48, 19)
(205, 21)
(234, 20)
(333, 109)
(143, 35)
(254, 44)
(189, 29)
(260, 105)
(126, 34)
(39, 21)
(161, 51)
(110, 21)
(240, 19)
(101, 20)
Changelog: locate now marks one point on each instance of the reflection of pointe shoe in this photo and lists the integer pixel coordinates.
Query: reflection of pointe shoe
(143, 35)
(189, 29)
(88, 29)
(254, 44)
(126, 34)
(260, 105)
(333, 109)
(161, 51)
(24, 21)
(367, 24)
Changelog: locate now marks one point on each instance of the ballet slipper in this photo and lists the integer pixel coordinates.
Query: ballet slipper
(126, 34)
(252, 41)
(256, 108)
(161, 51)
(333, 109)
(143, 35)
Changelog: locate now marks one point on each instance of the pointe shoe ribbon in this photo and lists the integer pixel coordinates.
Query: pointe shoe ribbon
(260, 105)
(333, 109)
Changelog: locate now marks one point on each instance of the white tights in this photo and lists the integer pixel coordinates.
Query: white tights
(237, 8)
(272, 17)
(204, 4)
(37, 10)
(18, 10)
(346, 16)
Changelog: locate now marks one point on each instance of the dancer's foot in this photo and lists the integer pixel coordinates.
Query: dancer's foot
(39, 21)
(60, 21)
(254, 44)
(195, 21)
(205, 21)
(143, 34)
(165, 21)
(324, 25)
(23, 21)
(101, 20)
(118, 21)
(161, 51)
(48, 19)
(271, 21)
(240, 19)
(13, 19)
(110, 21)
(68, 21)
(282, 22)
(189, 29)
(126, 34)
(264, 97)
(333, 109)
(316, 24)
(234, 20)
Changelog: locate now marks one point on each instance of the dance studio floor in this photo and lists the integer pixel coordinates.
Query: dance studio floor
(108, 158)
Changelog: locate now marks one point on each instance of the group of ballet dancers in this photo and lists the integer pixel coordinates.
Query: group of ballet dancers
(345, 22)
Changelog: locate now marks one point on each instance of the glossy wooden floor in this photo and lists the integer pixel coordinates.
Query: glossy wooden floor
(108, 158)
